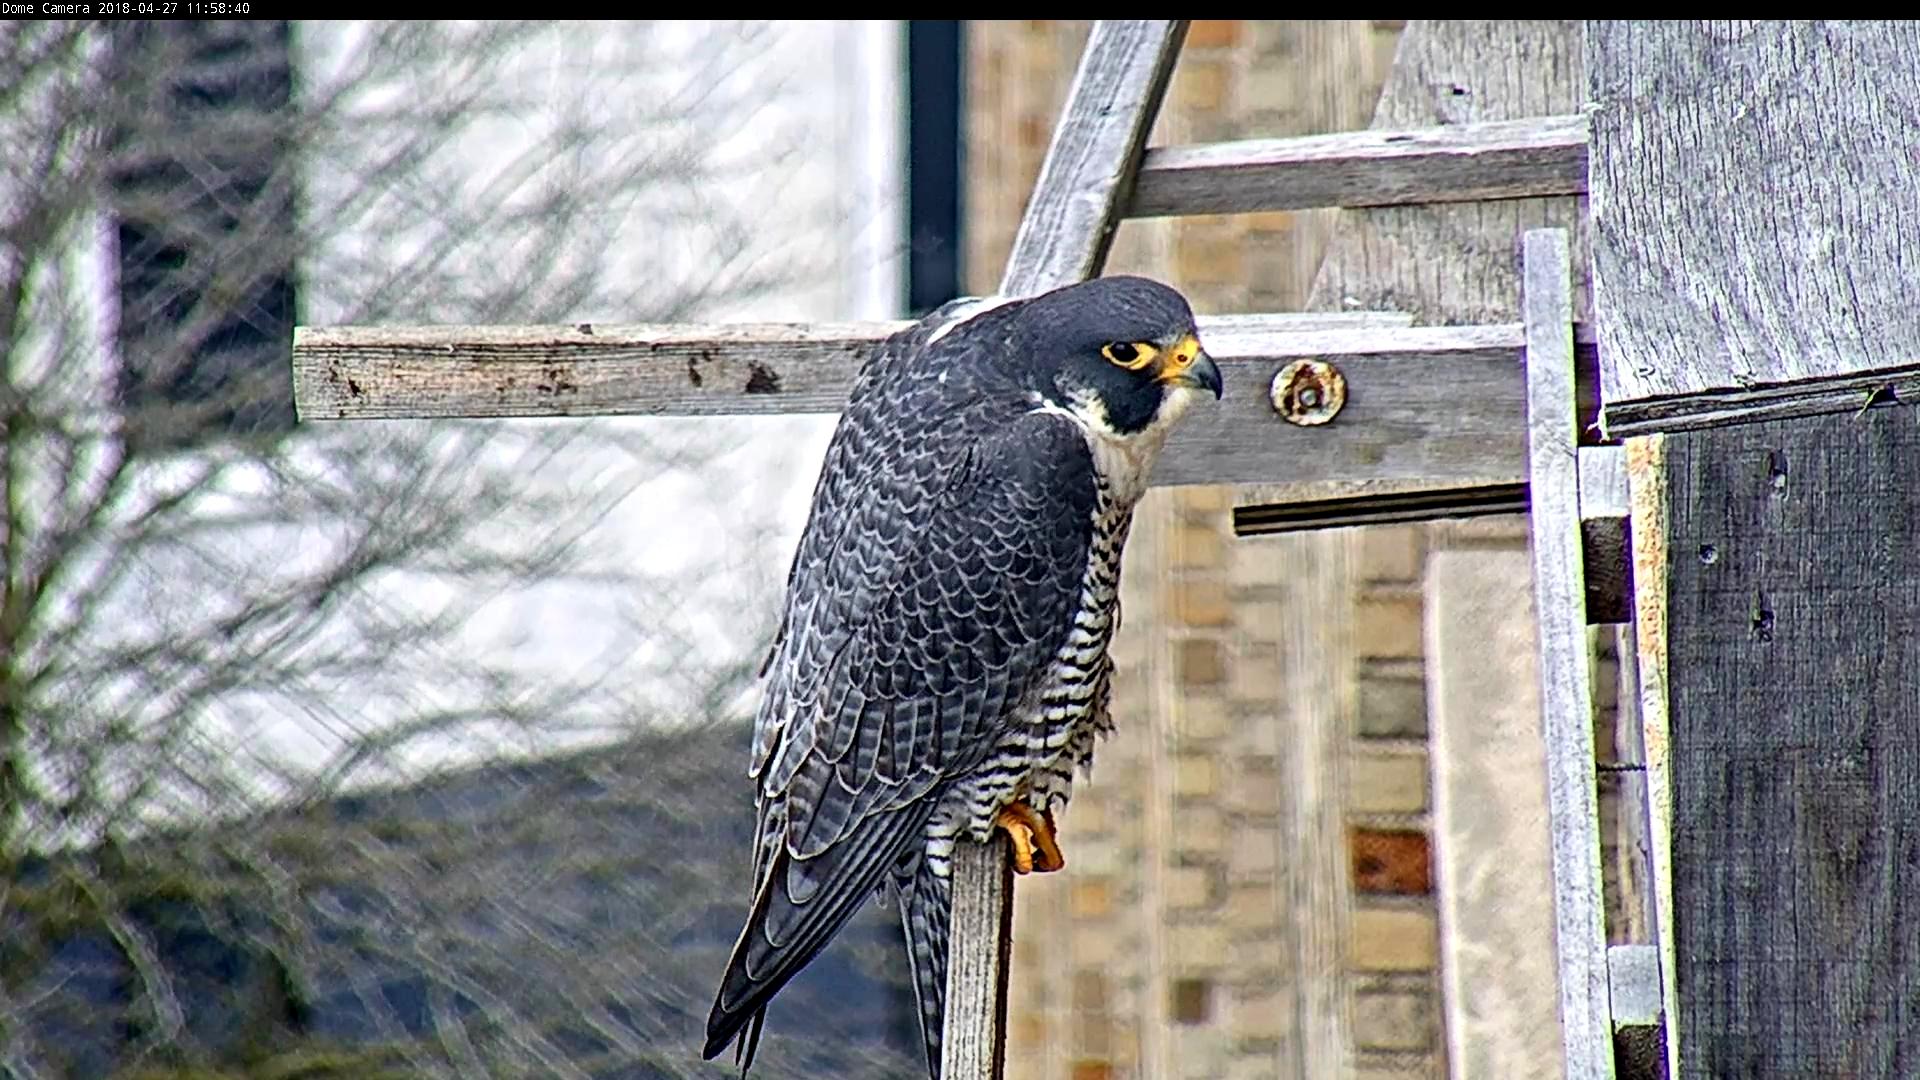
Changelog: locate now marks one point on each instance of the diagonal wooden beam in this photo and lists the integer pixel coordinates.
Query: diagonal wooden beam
(1088, 176)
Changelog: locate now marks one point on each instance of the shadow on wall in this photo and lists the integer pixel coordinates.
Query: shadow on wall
(573, 911)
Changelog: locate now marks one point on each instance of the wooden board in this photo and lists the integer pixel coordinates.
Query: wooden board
(1756, 218)
(1793, 628)
(1434, 404)
(1648, 495)
(1096, 149)
(1566, 690)
(1504, 159)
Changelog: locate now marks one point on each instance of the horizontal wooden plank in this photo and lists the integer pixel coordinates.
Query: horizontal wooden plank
(1508, 159)
(1755, 221)
(720, 369)
(1806, 397)
(374, 372)
(1441, 405)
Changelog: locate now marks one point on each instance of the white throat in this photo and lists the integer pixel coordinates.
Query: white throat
(1124, 461)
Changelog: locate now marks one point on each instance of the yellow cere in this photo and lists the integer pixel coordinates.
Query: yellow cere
(1182, 357)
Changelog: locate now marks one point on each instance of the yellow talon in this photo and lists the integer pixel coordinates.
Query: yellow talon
(1034, 846)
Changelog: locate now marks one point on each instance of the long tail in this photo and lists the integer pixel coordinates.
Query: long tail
(926, 912)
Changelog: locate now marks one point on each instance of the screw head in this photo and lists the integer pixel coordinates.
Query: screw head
(1308, 392)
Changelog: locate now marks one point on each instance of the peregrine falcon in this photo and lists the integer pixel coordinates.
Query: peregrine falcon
(941, 668)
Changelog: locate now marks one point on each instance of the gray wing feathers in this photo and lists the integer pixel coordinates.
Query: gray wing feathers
(935, 580)
(926, 914)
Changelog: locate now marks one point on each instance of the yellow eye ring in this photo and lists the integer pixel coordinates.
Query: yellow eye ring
(1131, 355)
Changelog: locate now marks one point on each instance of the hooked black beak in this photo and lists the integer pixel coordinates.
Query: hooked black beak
(1189, 365)
(1204, 374)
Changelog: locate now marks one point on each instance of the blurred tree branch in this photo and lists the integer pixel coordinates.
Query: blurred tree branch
(206, 615)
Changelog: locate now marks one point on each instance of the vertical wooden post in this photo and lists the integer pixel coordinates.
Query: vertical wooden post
(1755, 228)
(1566, 692)
(1794, 642)
(1083, 188)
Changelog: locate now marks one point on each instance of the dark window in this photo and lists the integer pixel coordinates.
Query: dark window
(935, 74)
(202, 199)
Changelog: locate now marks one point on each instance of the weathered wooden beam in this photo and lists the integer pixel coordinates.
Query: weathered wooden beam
(1089, 172)
(1648, 498)
(1639, 1029)
(1063, 237)
(1442, 405)
(1755, 219)
(1566, 691)
(1506, 159)
(381, 372)
(974, 1043)
(1606, 535)
(714, 369)
(1793, 639)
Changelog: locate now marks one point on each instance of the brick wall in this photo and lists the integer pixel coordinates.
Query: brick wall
(1172, 946)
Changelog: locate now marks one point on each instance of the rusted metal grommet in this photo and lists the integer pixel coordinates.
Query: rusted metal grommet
(1308, 392)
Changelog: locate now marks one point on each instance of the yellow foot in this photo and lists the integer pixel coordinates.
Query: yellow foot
(1031, 831)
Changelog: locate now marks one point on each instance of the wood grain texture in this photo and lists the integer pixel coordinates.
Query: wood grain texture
(1426, 403)
(1648, 496)
(713, 369)
(1505, 159)
(1633, 986)
(1458, 262)
(1453, 263)
(1566, 690)
(1317, 707)
(1756, 221)
(1794, 641)
(1606, 537)
(378, 372)
(1088, 175)
(974, 1043)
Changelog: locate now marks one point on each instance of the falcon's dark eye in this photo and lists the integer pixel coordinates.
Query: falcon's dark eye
(1130, 355)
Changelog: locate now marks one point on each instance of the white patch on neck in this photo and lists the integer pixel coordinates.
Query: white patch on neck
(960, 310)
(1124, 461)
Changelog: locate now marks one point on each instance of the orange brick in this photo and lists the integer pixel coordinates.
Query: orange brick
(1093, 1070)
(1199, 546)
(1214, 33)
(1201, 86)
(1395, 862)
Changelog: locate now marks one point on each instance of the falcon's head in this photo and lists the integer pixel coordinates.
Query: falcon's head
(1122, 353)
